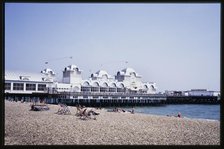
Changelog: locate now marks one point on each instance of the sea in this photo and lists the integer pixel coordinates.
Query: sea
(194, 111)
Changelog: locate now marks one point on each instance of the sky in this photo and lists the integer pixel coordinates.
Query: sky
(177, 46)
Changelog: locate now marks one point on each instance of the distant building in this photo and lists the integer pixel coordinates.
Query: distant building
(216, 93)
(200, 92)
(174, 93)
(193, 92)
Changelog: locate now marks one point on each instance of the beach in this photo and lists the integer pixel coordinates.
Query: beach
(25, 127)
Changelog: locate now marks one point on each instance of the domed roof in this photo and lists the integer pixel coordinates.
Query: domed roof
(48, 71)
(100, 74)
(128, 72)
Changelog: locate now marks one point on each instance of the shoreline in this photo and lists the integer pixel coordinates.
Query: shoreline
(184, 117)
(25, 127)
(187, 116)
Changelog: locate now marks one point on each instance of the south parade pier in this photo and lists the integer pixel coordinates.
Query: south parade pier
(125, 88)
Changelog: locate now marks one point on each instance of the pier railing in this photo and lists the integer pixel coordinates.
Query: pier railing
(111, 94)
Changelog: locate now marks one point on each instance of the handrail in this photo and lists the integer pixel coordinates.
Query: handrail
(110, 94)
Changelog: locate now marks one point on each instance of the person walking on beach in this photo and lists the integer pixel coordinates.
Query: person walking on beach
(132, 110)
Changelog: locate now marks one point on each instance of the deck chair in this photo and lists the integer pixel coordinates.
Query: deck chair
(86, 113)
(63, 109)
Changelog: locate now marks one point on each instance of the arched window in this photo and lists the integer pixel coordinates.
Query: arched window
(121, 85)
(104, 84)
(86, 83)
(105, 76)
(153, 88)
(96, 84)
(121, 88)
(76, 88)
(145, 87)
(133, 74)
(113, 85)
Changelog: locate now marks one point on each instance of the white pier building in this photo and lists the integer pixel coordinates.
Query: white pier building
(126, 85)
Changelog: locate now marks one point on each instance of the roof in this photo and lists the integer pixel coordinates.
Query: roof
(26, 76)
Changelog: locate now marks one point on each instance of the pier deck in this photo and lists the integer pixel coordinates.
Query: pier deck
(100, 99)
(192, 100)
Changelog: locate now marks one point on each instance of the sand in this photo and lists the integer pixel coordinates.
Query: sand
(25, 127)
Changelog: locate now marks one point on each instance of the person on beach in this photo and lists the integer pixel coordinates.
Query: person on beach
(115, 109)
(179, 115)
(132, 111)
(60, 107)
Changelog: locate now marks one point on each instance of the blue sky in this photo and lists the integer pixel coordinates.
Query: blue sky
(175, 45)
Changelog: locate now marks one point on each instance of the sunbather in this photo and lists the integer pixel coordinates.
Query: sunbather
(63, 109)
(85, 112)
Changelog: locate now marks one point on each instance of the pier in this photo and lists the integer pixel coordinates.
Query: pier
(192, 100)
(124, 89)
(99, 99)
(93, 99)
(112, 99)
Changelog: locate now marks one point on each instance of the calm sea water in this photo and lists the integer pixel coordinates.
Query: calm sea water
(187, 110)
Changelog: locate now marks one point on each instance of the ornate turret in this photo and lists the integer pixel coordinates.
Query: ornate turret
(72, 75)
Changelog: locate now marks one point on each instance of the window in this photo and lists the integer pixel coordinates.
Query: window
(7, 86)
(85, 89)
(65, 73)
(94, 89)
(30, 87)
(104, 77)
(103, 89)
(17, 86)
(41, 87)
(120, 90)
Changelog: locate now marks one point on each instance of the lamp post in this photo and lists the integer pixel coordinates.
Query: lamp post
(70, 94)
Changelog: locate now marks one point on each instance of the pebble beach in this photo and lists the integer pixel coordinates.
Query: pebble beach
(26, 127)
